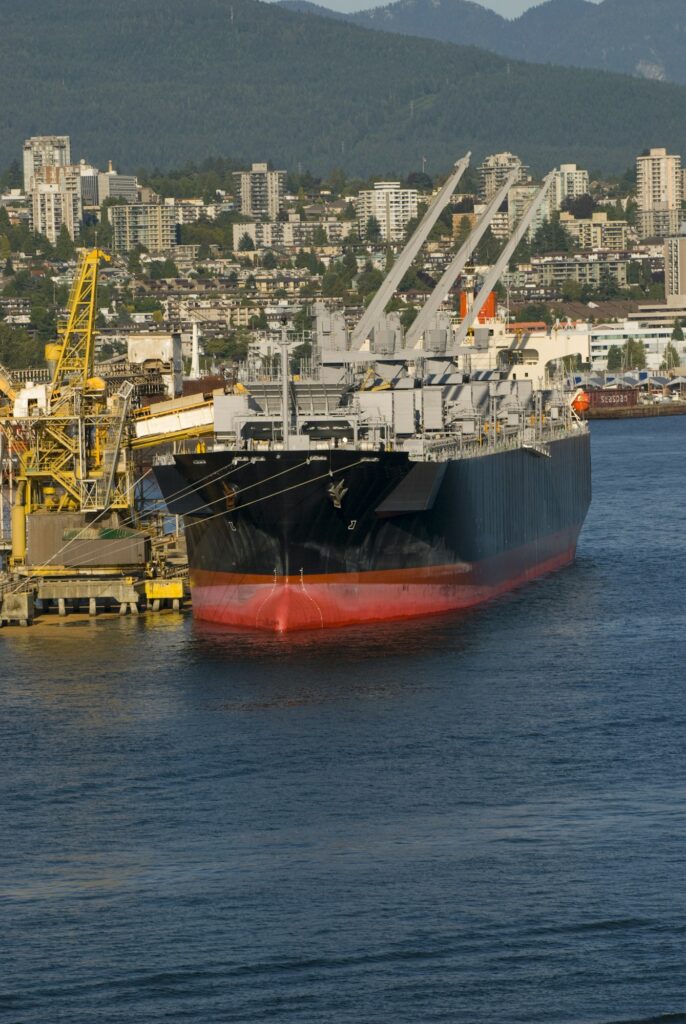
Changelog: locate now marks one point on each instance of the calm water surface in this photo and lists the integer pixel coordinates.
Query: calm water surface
(475, 818)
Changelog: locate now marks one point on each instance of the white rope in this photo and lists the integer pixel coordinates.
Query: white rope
(37, 571)
(247, 504)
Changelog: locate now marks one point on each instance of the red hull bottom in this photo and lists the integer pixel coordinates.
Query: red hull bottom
(287, 603)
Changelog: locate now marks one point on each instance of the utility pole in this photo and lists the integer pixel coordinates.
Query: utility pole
(285, 413)
(2, 486)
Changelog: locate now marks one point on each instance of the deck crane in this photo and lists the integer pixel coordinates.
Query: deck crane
(428, 311)
(374, 312)
(494, 273)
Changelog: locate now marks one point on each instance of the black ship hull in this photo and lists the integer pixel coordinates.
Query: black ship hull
(305, 539)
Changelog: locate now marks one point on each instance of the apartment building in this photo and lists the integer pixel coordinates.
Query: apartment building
(569, 182)
(42, 151)
(391, 206)
(598, 232)
(292, 233)
(260, 191)
(149, 224)
(655, 340)
(546, 275)
(659, 191)
(55, 200)
(675, 268)
(495, 169)
(112, 185)
(518, 202)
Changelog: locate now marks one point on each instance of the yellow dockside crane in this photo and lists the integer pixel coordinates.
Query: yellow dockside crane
(71, 456)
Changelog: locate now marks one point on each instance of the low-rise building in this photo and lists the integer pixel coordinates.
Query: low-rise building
(599, 232)
(654, 339)
(547, 275)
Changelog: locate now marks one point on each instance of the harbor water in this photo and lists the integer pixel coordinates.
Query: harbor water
(473, 818)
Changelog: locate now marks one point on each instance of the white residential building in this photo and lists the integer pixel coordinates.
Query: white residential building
(392, 206)
(495, 169)
(675, 268)
(655, 341)
(44, 151)
(598, 232)
(659, 190)
(149, 224)
(186, 211)
(518, 202)
(56, 200)
(112, 185)
(293, 233)
(570, 182)
(260, 191)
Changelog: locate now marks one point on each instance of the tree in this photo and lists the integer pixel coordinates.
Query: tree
(368, 281)
(419, 181)
(614, 358)
(309, 261)
(551, 237)
(269, 260)
(349, 266)
(8, 269)
(677, 333)
(12, 177)
(319, 236)
(373, 230)
(259, 322)
(488, 249)
(581, 207)
(633, 355)
(408, 316)
(464, 228)
(133, 263)
(246, 243)
(64, 247)
(18, 350)
(670, 358)
(334, 285)
(571, 290)
(159, 270)
(534, 312)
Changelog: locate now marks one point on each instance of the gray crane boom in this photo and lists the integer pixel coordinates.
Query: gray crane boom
(404, 260)
(494, 274)
(458, 263)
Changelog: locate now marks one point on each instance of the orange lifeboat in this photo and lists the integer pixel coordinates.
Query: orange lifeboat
(582, 402)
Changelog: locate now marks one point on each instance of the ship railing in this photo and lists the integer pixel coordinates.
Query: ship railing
(472, 446)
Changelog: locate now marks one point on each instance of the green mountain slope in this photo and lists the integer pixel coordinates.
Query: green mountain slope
(636, 37)
(159, 83)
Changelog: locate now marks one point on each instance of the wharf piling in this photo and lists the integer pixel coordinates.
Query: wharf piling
(22, 601)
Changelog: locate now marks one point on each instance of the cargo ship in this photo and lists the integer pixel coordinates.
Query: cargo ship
(403, 473)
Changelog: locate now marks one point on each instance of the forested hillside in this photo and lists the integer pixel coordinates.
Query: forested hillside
(637, 37)
(145, 82)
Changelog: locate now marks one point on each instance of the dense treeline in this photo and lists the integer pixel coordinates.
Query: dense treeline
(157, 85)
